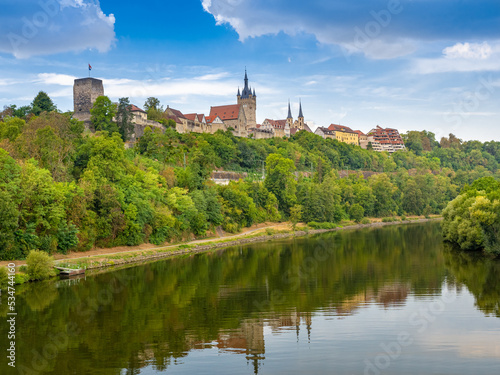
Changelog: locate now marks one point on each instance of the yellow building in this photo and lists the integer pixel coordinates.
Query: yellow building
(345, 134)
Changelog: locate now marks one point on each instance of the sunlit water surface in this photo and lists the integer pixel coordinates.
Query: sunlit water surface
(391, 300)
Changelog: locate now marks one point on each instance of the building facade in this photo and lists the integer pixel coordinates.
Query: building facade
(387, 139)
(345, 134)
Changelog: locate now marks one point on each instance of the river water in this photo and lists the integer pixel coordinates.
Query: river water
(391, 300)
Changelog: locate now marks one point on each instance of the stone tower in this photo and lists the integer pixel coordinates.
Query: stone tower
(248, 102)
(300, 119)
(85, 92)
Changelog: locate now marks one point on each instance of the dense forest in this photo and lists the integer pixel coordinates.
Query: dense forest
(65, 188)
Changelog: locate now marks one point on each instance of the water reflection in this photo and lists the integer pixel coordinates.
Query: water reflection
(251, 302)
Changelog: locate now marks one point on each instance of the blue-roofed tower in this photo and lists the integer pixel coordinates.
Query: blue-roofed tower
(289, 118)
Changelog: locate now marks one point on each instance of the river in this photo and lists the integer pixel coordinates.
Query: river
(390, 300)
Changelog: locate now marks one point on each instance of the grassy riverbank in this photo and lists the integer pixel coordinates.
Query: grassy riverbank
(104, 258)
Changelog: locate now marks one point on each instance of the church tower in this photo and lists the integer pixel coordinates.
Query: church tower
(289, 119)
(248, 102)
(300, 119)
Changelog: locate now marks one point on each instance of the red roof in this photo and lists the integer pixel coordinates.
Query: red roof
(277, 123)
(191, 116)
(210, 119)
(359, 132)
(226, 112)
(176, 115)
(134, 108)
(200, 117)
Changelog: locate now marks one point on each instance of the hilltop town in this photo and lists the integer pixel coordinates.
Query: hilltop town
(240, 118)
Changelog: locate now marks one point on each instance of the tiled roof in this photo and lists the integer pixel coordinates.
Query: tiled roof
(226, 112)
(200, 117)
(191, 116)
(277, 123)
(134, 108)
(210, 119)
(175, 115)
(340, 128)
(325, 130)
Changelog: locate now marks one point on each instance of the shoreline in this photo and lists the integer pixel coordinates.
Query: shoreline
(138, 256)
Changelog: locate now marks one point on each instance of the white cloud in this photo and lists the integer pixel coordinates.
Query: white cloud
(473, 51)
(33, 27)
(462, 57)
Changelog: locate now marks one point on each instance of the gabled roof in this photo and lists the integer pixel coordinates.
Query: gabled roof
(359, 132)
(191, 116)
(201, 117)
(210, 119)
(134, 108)
(325, 130)
(226, 112)
(276, 123)
(175, 115)
(295, 130)
(341, 128)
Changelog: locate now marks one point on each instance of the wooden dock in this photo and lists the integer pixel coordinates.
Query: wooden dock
(69, 272)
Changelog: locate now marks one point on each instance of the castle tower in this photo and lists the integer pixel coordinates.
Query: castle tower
(248, 101)
(85, 92)
(300, 119)
(289, 119)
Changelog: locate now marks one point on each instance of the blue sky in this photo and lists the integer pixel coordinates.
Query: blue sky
(412, 65)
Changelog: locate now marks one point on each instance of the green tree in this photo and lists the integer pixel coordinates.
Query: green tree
(102, 113)
(356, 212)
(280, 181)
(295, 215)
(124, 119)
(42, 103)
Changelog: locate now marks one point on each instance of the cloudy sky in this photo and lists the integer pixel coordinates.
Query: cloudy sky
(408, 64)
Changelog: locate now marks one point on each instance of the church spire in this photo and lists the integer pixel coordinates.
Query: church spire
(289, 111)
(238, 92)
(300, 109)
(246, 90)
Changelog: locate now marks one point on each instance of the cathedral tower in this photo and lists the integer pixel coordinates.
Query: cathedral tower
(300, 119)
(248, 102)
(289, 119)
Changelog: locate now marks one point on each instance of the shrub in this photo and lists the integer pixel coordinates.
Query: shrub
(22, 278)
(4, 277)
(388, 220)
(269, 231)
(365, 220)
(356, 212)
(40, 265)
(403, 218)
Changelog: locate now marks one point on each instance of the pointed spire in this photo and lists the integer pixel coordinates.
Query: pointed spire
(239, 91)
(300, 109)
(289, 110)
(254, 92)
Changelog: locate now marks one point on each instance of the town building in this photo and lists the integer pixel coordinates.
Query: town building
(345, 134)
(363, 139)
(280, 128)
(387, 139)
(325, 132)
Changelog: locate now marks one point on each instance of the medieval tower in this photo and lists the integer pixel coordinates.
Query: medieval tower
(85, 92)
(248, 102)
